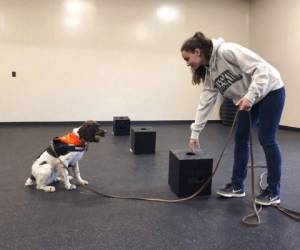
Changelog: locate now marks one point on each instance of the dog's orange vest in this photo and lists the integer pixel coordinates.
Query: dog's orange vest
(71, 139)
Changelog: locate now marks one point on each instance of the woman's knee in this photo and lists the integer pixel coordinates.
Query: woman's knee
(266, 141)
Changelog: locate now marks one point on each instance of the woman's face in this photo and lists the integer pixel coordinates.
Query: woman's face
(193, 59)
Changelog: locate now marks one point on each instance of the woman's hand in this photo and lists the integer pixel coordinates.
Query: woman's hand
(245, 104)
(194, 144)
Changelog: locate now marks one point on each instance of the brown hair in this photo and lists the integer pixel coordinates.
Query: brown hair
(198, 41)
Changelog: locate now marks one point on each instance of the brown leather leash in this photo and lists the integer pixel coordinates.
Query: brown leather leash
(291, 213)
(173, 200)
(252, 219)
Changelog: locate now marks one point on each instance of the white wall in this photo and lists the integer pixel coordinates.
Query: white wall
(120, 59)
(274, 34)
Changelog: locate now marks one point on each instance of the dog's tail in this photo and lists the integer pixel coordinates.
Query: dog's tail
(30, 181)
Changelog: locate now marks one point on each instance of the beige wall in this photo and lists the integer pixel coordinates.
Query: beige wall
(112, 58)
(274, 34)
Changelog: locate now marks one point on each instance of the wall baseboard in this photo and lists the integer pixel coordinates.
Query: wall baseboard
(289, 128)
(109, 123)
(104, 123)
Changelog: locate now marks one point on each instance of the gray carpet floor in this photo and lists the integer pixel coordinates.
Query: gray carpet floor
(30, 219)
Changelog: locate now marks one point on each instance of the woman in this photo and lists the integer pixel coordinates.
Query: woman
(254, 86)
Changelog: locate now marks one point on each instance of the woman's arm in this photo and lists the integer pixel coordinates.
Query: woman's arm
(208, 97)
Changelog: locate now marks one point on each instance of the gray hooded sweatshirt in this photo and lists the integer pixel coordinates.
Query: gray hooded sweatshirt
(234, 72)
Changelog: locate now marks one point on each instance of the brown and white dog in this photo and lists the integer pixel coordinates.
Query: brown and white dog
(59, 162)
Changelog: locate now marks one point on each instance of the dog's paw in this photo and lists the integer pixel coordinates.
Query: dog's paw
(83, 182)
(70, 187)
(49, 189)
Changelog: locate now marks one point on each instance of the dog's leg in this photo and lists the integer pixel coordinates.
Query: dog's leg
(64, 177)
(78, 176)
(42, 174)
(57, 178)
(70, 173)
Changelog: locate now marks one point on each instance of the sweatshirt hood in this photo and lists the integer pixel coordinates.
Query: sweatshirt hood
(216, 45)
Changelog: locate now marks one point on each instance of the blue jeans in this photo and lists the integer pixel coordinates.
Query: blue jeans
(267, 113)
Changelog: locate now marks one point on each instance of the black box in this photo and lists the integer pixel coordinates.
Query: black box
(188, 171)
(121, 125)
(143, 140)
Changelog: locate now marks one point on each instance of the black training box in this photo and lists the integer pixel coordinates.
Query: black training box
(143, 140)
(188, 171)
(121, 125)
